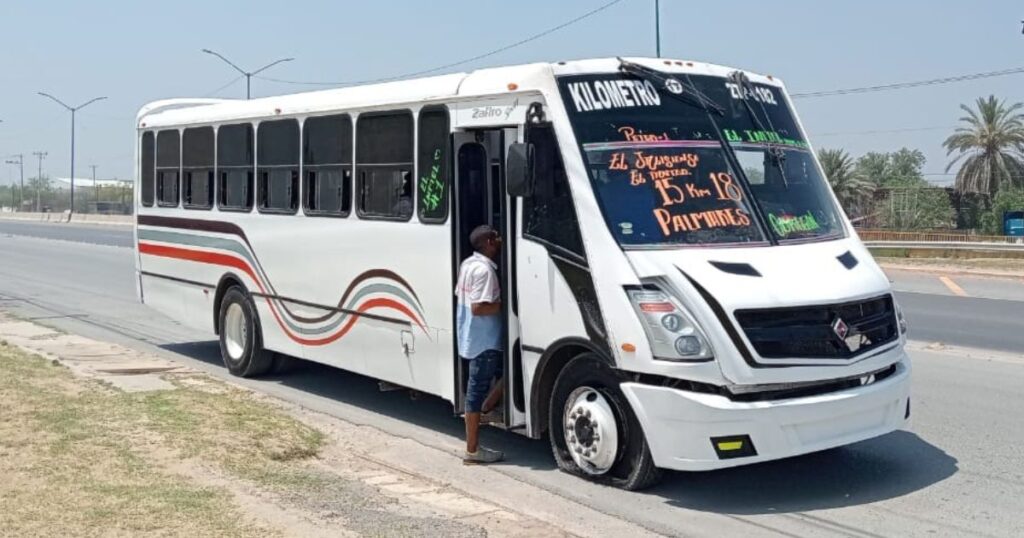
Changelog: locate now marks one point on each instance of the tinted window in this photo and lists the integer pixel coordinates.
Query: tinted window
(384, 162)
(432, 158)
(327, 165)
(549, 214)
(235, 167)
(146, 166)
(663, 176)
(168, 163)
(197, 146)
(277, 153)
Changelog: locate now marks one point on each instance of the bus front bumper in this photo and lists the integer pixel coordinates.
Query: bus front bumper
(689, 431)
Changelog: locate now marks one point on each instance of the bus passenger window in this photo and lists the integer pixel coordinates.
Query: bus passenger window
(197, 147)
(549, 214)
(384, 164)
(327, 165)
(432, 157)
(235, 167)
(168, 167)
(147, 168)
(277, 150)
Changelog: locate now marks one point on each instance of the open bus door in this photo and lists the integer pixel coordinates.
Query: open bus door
(481, 198)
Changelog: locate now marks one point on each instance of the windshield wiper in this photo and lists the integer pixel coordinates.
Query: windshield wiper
(687, 93)
(776, 156)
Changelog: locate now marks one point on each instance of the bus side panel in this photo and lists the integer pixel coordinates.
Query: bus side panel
(399, 271)
(164, 296)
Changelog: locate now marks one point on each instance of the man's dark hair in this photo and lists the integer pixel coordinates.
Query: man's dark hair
(480, 235)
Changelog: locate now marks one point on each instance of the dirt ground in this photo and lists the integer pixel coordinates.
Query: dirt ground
(80, 456)
(980, 266)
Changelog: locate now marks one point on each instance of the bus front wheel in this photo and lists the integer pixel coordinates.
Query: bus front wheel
(241, 344)
(593, 431)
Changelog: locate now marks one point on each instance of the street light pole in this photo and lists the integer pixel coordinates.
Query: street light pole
(248, 74)
(95, 192)
(39, 178)
(657, 27)
(21, 191)
(73, 109)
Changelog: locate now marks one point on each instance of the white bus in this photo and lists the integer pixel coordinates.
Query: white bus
(681, 288)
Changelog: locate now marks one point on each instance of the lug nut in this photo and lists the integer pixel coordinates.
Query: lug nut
(586, 413)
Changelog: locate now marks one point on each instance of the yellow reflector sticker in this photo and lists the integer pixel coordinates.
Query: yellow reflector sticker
(730, 445)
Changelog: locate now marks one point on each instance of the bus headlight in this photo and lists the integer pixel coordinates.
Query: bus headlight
(671, 330)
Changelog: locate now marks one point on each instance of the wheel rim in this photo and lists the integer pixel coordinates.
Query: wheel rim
(235, 332)
(591, 431)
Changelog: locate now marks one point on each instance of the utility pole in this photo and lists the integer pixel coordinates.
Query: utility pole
(657, 27)
(248, 74)
(95, 192)
(21, 191)
(39, 178)
(73, 109)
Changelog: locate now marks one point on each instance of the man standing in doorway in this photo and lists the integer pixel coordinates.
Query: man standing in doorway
(478, 322)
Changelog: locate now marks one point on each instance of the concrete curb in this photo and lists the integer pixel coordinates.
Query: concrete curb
(77, 218)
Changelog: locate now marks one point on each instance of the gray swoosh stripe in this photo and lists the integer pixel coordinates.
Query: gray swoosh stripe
(237, 248)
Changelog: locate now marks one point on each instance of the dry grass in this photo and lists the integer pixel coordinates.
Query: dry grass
(1010, 266)
(80, 459)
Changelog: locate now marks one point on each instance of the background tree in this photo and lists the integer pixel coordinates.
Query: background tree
(990, 145)
(901, 168)
(852, 188)
(916, 208)
(1005, 200)
(901, 197)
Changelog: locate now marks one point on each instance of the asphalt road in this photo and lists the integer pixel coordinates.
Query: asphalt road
(959, 470)
(992, 317)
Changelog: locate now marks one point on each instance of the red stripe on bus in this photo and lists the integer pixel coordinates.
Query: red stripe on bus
(215, 258)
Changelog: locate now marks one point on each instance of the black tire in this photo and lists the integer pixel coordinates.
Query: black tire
(634, 467)
(254, 360)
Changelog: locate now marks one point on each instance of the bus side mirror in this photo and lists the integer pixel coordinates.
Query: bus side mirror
(519, 170)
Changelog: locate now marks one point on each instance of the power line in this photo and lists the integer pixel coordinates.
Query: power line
(453, 64)
(904, 85)
(885, 131)
(223, 87)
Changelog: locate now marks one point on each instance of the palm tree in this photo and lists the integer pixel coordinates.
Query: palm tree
(850, 186)
(991, 145)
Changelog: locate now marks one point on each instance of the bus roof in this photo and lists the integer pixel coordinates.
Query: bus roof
(536, 77)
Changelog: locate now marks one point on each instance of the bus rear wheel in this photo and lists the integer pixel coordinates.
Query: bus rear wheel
(241, 342)
(593, 431)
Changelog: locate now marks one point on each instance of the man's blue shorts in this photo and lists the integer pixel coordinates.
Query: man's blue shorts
(483, 368)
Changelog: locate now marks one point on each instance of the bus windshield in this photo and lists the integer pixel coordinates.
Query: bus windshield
(663, 178)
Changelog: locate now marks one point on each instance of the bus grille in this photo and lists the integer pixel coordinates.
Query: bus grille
(837, 331)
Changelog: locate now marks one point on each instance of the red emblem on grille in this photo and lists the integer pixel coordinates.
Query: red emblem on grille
(840, 328)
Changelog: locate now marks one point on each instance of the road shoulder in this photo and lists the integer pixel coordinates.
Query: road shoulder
(962, 352)
(356, 480)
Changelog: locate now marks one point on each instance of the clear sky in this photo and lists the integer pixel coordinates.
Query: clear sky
(138, 51)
